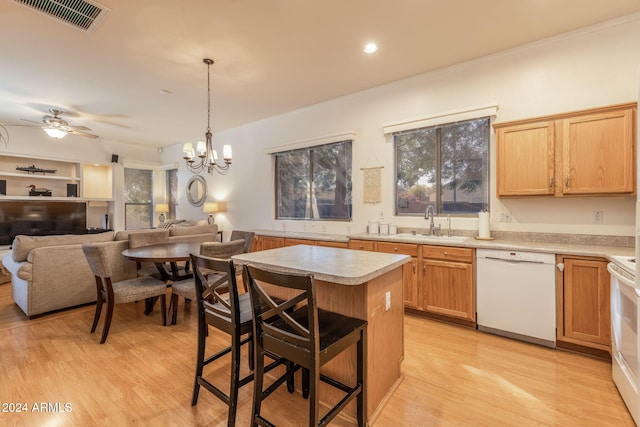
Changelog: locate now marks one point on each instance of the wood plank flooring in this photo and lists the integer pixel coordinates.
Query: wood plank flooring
(143, 375)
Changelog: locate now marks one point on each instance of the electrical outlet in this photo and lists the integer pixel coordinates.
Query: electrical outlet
(505, 217)
(596, 217)
(387, 301)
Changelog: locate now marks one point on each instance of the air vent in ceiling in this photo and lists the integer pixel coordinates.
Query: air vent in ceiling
(80, 14)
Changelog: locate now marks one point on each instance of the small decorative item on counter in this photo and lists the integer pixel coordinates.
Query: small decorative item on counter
(38, 191)
(373, 227)
(393, 229)
(384, 227)
(34, 169)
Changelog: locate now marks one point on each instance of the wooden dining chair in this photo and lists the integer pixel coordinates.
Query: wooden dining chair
(100, 257)
(309, 337)
(247, 236)
(220, 306)
(187, 288)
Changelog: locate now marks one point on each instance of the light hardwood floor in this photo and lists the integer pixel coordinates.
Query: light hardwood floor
(143, 375)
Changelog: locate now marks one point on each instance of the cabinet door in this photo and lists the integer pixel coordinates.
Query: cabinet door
(268, 242)
(447, 289)
(410, 271)
(525, 159)
(598, 153)
(585, 299)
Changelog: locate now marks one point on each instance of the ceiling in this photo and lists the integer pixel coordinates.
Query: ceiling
(139, 77)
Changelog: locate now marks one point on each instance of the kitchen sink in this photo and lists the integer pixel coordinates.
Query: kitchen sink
(430, 238)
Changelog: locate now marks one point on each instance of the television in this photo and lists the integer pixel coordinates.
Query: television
(41, 218)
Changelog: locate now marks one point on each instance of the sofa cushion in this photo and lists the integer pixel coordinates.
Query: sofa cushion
(194, 229)
(22, 245)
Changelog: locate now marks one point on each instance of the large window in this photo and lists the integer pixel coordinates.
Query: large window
(138, 195)
(314, 182)
(445, 166)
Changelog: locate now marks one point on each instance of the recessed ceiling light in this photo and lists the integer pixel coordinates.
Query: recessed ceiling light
(370, 48)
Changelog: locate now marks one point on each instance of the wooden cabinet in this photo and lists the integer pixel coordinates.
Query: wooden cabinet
(268, 242)
(583, 311)
(525, 159)
(447, 282)
(580, 153)
(410, 270)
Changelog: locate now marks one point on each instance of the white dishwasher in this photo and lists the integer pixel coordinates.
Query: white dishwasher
(516, 295)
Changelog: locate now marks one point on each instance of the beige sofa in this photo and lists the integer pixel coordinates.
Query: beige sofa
(50, 272)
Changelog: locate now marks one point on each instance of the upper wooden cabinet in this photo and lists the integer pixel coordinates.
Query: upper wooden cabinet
(581, 153)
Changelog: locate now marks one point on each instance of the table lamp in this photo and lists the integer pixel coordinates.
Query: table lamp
(214, 207)
(161, 208)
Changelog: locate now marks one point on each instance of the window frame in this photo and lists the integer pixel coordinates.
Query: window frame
(149, 204)
(438, 205)
(308, 151)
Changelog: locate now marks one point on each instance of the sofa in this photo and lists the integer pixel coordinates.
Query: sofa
(51, 273)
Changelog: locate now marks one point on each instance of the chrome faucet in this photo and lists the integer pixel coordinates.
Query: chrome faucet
(432, 227)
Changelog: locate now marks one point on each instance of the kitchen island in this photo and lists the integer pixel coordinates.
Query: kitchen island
(353, 283)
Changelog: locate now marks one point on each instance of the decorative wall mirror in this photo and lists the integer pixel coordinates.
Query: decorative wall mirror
(197, 190)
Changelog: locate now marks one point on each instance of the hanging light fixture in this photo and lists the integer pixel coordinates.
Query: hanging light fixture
(206, 157)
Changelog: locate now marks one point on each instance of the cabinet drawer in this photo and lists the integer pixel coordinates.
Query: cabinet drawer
(447, 253)
(288, 241)
(331, 244)
(398, 248)
(363, 245)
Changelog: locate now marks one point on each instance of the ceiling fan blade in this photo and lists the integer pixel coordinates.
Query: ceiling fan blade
(81, 133)
(30, 121)
(79, 128)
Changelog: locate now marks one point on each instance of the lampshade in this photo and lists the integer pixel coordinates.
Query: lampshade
(214, 207)
(55, 132)
(162, 207)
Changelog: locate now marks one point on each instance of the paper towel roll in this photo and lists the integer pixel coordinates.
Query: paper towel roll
(483, 225)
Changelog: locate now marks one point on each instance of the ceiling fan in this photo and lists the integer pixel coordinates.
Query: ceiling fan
(57, 127)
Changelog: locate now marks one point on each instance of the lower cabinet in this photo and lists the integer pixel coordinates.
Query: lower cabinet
(447, 283)
(262, 243)
(583, 303)
(410, 270)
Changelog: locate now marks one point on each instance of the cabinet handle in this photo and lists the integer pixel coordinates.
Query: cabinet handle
(550, 181)
(424, 267)
(414, 267)
(566, 181)
(395, 249)
(446, 253)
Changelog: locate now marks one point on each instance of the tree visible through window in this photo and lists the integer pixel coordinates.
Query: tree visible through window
(445, 166)
(314, 182)
(138, 195)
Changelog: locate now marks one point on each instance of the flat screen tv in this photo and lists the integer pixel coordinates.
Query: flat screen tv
(41, 218)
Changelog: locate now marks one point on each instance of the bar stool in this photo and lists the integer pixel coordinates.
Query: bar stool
(220, 306)
(309, 337)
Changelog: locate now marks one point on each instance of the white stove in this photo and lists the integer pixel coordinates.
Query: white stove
(625, 313)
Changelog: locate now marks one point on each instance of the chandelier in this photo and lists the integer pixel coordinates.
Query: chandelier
(206, 157)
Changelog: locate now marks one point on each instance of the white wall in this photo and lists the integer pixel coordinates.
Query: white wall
(589, 68)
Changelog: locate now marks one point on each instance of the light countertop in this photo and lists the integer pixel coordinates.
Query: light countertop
(562, 246)
(342, 266)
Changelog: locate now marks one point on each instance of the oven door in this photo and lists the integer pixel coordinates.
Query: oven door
(624, 329)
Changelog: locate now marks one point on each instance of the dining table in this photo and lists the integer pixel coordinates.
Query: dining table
(160, 255)
(362, 284)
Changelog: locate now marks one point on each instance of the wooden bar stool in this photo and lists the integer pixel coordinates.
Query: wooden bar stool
(308, 336)
(220, 306)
